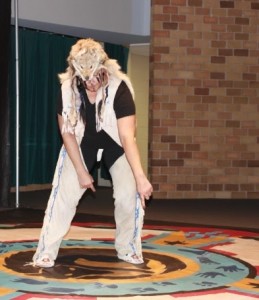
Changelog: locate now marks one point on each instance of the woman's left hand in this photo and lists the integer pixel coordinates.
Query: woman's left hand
(145, 190)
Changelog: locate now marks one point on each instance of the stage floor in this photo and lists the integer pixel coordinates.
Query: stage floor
(180, 262)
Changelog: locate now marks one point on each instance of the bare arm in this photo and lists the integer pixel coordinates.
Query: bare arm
(70, 143)
(127, 127)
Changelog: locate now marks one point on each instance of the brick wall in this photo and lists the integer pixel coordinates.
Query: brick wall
(204, 91)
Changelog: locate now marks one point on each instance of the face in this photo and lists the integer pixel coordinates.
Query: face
(93, 84)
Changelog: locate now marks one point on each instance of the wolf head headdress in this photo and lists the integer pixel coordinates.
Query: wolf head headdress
(86, 57)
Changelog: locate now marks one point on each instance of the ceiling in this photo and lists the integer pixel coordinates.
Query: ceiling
(123, 22)
(139, 45)
(101, 35)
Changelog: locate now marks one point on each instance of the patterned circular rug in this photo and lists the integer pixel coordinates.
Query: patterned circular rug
(180, 263)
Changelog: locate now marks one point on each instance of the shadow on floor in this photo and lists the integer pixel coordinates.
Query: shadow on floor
(241, 213)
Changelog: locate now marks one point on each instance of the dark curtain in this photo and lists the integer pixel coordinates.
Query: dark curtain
(42, 56)
(5, 21)
(118, 52)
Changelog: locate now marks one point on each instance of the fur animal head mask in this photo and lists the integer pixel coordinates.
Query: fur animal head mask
(86, 58)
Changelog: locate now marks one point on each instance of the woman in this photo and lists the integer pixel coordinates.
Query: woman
(96, 117)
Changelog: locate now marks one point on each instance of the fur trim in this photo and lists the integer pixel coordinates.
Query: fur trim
(114, 69)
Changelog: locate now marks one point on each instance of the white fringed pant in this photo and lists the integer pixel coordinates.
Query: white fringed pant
(65, 195)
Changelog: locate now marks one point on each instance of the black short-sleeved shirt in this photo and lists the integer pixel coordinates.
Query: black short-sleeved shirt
(93, 140)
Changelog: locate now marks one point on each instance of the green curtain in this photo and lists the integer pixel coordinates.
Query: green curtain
(118, 52)
(42, 56)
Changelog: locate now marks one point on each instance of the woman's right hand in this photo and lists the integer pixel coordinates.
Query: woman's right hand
(86, 180)
(71, 145)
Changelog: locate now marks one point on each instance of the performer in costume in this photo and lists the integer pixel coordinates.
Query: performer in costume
(96, 116)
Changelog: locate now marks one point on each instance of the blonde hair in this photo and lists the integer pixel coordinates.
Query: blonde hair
(86, 59)
(92, 58)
